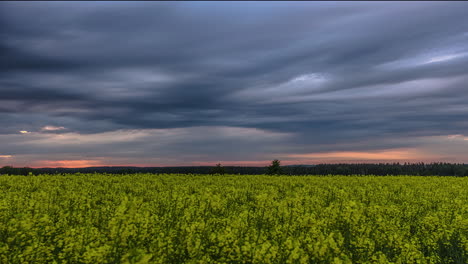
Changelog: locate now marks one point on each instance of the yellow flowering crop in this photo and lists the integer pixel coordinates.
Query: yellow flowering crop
(147, 218)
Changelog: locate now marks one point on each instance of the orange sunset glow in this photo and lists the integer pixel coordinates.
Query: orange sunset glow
(68, 163)
(393, 155)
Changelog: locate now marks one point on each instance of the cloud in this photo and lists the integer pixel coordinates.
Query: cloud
(313, 77)
(52, 128)
(456, 137)
(175, 146)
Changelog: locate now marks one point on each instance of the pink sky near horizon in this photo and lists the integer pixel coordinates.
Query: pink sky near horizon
(80, 150)
(385, 156)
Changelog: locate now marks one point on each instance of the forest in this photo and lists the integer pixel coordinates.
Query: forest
(379, 169)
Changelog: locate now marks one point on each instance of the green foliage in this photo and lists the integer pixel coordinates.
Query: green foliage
(147, 218)
(274, 168)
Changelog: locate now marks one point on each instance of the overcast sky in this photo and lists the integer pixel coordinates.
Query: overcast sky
(241, 83)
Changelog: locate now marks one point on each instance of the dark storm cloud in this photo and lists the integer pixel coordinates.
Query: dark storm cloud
(334, 76)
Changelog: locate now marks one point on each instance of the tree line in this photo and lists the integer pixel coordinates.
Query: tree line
(422, 169)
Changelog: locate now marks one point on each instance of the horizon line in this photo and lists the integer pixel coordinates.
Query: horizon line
(289, 165)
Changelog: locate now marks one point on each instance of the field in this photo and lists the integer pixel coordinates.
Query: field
(145, 218)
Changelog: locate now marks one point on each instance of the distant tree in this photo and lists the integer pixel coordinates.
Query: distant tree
(218, 169)
(274, 168)
(460, 170)
(6, 170)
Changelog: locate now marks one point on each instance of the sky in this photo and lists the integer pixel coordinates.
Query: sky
(241, 83)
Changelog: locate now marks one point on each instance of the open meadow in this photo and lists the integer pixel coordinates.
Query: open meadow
(147, 218)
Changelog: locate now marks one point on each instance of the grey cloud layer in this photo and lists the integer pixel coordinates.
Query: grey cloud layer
(335, 76)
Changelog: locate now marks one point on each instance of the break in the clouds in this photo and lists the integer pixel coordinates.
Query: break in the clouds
(186, 83)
